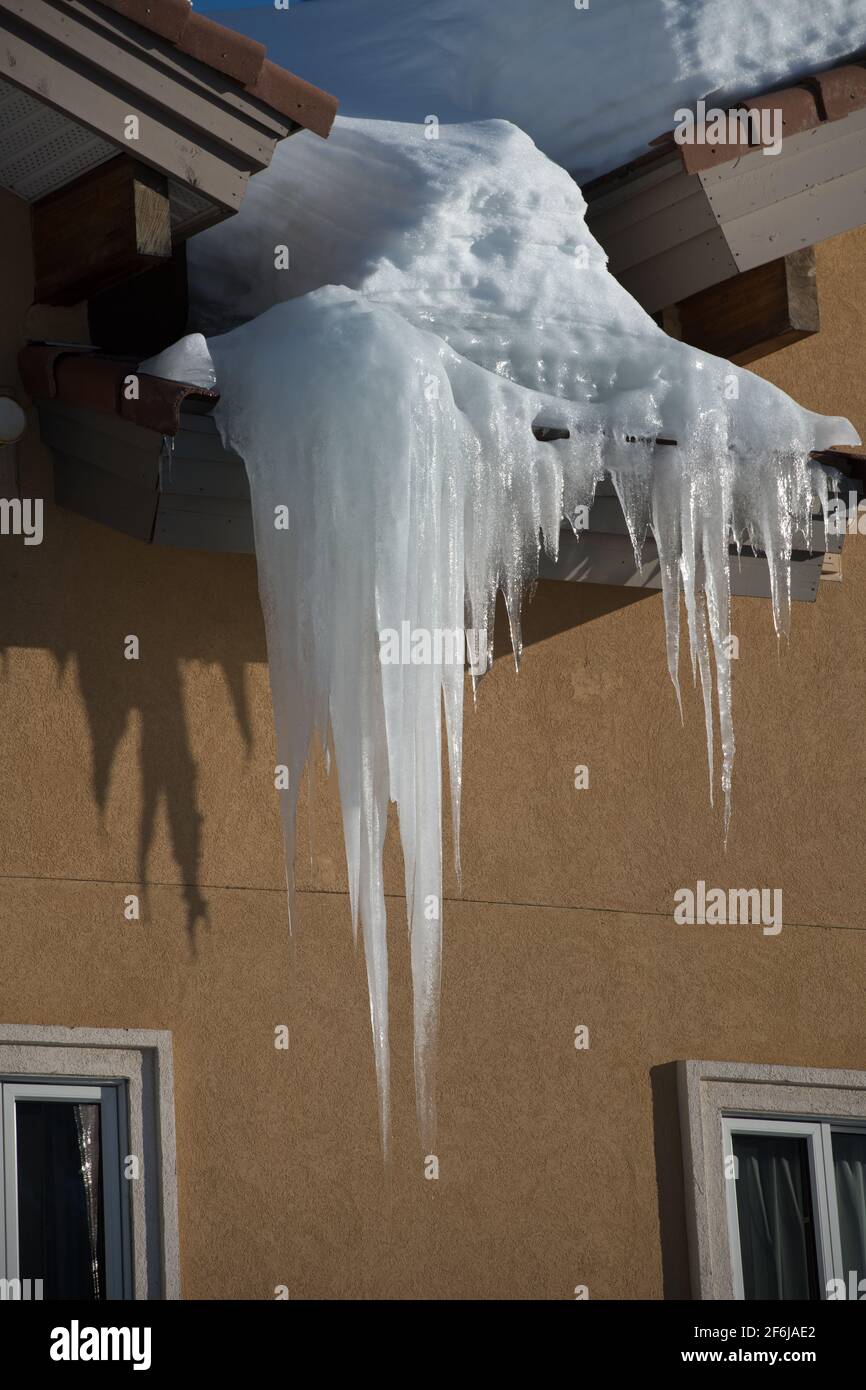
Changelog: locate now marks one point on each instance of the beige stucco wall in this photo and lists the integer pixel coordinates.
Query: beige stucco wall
(558, 1167)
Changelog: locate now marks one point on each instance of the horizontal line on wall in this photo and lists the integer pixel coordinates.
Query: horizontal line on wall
(132, 883)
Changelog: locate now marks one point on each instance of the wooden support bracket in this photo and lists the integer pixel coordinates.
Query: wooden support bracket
(113, 222)
(752, 314)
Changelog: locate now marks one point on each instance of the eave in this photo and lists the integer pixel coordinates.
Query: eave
(208, 109)
(154, 467)
(687, 217)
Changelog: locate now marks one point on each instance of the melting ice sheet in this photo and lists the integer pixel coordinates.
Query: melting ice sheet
(442, 298)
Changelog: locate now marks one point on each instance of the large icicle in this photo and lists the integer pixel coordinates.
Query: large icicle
(444, 297)
(416, 489)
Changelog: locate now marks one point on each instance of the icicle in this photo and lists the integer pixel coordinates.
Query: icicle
(394, 416)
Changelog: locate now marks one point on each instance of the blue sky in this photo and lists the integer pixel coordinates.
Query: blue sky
(210, 6)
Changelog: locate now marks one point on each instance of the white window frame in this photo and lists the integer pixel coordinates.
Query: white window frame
(719, 1098)
(133, 1068)
(114, 1212)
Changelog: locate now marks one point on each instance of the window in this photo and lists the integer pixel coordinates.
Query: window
(88, 1204)
(65, 1217)
(774, 1163)
(796, 1193)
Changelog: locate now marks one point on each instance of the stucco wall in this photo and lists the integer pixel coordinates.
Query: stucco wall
(558, 1167)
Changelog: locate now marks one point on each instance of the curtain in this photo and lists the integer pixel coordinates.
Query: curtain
(59, 1180)
(774, 1213)
(849, 1162)
(87, 1127)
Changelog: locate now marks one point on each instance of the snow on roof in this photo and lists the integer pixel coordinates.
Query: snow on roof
(591, 86)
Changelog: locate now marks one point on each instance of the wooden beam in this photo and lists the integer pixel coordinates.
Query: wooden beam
(753, 314)
(97, 231)
(91, 36)
(209, 163)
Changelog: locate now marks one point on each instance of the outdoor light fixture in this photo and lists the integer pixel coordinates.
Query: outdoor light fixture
(13, 421)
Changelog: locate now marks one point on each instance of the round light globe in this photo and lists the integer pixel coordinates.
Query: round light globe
(12, 420)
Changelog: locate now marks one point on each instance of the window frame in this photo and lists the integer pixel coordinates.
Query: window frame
(713, 1096)
(137, 1065)
(822, 1183)
(114, 1213)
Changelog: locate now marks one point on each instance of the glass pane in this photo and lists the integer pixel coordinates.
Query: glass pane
(60, 1229)
(849, 1163)
(774, 1213)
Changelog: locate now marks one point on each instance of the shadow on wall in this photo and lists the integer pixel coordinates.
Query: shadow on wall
(558, 606)
(669, 1182)
(86, 588)
(79, 595)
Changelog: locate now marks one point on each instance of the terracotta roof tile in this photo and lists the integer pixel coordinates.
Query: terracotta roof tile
(93, 381)
(168, 18)
(242, 59)
(827, 96)
(842, 90)
(800, 111)
(293, 97)
(221, 48)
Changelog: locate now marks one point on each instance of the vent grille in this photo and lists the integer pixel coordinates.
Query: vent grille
(40, 149)
(188, 209)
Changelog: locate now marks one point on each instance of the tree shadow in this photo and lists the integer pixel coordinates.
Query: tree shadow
(80, 595)
(87, 588)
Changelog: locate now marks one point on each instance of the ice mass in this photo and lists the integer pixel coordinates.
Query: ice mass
(444, 299)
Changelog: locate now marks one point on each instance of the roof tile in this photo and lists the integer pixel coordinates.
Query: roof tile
(221, 48)
(829, 96)
(842, 90)
(168, 18)
(95, 382)
(238, 57)
(295, 98)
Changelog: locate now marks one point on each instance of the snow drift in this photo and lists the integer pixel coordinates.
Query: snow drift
(442, 298)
